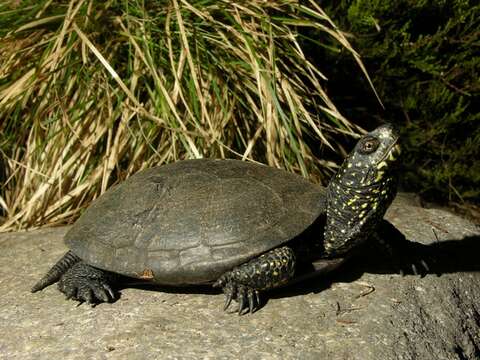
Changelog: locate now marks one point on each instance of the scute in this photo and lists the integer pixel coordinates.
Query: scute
(190, 221)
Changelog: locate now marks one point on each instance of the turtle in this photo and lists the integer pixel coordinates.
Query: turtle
(239, 226)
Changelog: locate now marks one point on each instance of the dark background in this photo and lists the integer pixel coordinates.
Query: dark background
(423, 60)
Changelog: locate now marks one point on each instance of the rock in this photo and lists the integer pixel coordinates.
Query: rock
(362, 311)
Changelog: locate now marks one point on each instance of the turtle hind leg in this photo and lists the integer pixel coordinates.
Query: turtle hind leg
(56, 272)
(86, 283)
(244, 282)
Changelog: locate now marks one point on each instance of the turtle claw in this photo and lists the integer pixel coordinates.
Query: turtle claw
(247, 297)
(228, 297)
(91, 292)
(86, 284)
(251, 301)
(418, 267)
(102, 293)
(414, 269)
(241, 301)
(106, 292)
(86, 295)
(410, 258)
(424, 268)
(425, 265)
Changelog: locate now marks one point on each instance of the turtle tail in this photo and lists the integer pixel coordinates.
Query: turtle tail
(54, 274)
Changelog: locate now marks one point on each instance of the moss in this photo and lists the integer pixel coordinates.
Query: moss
(423, 58)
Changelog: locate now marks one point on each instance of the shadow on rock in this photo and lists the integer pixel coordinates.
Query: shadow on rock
(131, 283)
(441, 257)
(396, 255)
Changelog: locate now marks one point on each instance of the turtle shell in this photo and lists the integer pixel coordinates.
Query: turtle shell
(190, 221)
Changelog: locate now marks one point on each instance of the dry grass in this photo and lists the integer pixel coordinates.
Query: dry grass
(91, 92)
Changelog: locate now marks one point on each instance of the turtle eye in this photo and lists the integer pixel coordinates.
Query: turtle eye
(369, 145)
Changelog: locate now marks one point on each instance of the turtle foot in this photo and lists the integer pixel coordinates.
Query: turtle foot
(85, 283)
(409, 258)
(248, 298)
(243, 283)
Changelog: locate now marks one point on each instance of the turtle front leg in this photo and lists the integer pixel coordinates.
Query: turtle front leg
(244, 282)
(85, 283)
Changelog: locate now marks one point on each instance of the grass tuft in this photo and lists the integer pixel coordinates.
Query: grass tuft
(92, 92)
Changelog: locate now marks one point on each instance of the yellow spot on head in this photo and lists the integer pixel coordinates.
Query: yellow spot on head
(382, 164)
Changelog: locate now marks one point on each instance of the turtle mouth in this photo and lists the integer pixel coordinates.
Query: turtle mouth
(392, 154)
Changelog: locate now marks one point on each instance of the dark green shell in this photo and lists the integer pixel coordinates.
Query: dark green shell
(190, 221)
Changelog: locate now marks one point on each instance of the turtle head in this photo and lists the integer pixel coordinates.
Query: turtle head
(361, 191)
(372, 160)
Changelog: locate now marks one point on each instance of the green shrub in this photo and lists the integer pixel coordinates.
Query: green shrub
(423, 57)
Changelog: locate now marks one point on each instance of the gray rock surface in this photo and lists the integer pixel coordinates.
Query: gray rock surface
(362, 311)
